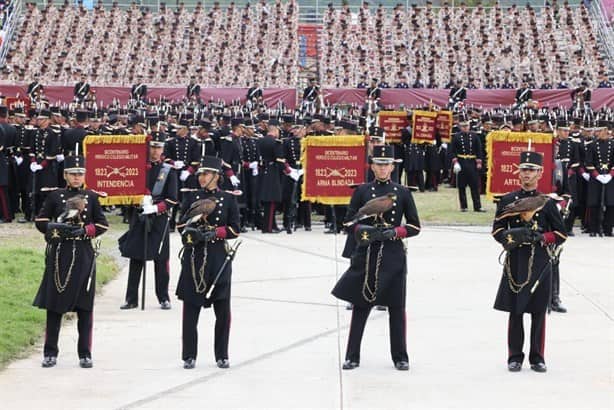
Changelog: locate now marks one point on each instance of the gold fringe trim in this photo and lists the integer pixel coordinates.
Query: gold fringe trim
(121, 200)
(333, 141)
(392, 113)
(326, 200)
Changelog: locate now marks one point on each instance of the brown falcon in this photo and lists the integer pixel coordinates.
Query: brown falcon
(525, 207)
(200, 209)
(73, 209)
(375, 207)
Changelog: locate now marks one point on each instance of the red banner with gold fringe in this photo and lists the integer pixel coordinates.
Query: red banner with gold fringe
(392, 122)
(443, 125)
(504, 148)
(423, 127)
(332, 164)
(117, 165)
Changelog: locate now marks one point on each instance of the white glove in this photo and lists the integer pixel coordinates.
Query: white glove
(150, 209)
(179, 165)
(59, 157)
(255, 172)
(457, 168)
(444, 145)
(586, 176)
(35, 167)
(294, 174)
(300, 172)
(604, 179)
(184, 175)
(18, 160)
(253, 165)
(234, 180)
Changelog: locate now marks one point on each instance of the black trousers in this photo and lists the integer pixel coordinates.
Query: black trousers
(134, 277)
(468, 177)
(515, 338)
(606, 223)
(398, 343)
(189, 333)
(85, 320)
(416, 178)
(269, 223)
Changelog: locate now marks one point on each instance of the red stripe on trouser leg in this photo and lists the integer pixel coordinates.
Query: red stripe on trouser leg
(168, 267)
(542, 342)
(5, 208)
(89, 345)
(271, 216)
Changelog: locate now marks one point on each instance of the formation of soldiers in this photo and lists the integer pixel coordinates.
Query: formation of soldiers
(260, 149)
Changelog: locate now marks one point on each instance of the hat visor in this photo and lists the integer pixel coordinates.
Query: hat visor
(75, 170)
(207, 169)
(527, 165)
(382, 161)
(156, 144)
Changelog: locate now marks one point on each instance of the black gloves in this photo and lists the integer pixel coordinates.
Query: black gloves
(366, 234)
(514, 237)
(58, 232)
(193, 236)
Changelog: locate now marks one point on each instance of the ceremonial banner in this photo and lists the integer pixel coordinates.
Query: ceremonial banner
(13, 102)
(332, 165)
(443, 125)
(117, 165)
(392, 122)
(503, 150)
(423, 127)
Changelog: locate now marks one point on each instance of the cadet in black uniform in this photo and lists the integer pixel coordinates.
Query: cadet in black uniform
(466, 152)
(457, 95)
(138, 91)
(69, 281)
(193, 90)
(154, 214)
(21, 157)
(291, 188)
(7, 169)
(81, 90)
(599, 163)
(375, 243)
(525, 284)
(523, 95)
(254, 95)
(202, 257)
(568, 154)
(45, 145)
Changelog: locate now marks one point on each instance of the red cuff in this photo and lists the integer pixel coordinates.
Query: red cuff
(190, 169)
(161, 207)
(229, 172)
(454, 160)
(245, 164)
(612, 173)
(287, 169)
(595, 174)
(401, 231)
(90, 230)
(32, 159)
(44, 163)
(549, 237)
(220, 232)
(570, 172)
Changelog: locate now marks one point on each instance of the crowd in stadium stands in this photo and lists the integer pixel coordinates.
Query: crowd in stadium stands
(487, 47)
(417, 47)
(231, 47)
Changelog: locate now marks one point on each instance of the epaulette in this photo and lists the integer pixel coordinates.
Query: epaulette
(169, 139)
(101, 194)
(226, 138)
(49, 189)
(576, 140)
(195, 138)
(188, 190)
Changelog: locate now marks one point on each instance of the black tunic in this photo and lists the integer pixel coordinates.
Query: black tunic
(75, 295)
(131, 243)
(393, 270)
(548, 219)
(600, 161)
(225, 220)
(271, 150)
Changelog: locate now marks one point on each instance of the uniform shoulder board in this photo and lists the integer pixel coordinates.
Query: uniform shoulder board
(227, 138)
(575, 140)
(29, 127)
(169, 139)
(101, 194)
(49, 189)
(188, 190)
(195, 138)
(165, 165)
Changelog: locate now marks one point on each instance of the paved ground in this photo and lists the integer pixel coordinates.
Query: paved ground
(288, 338)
